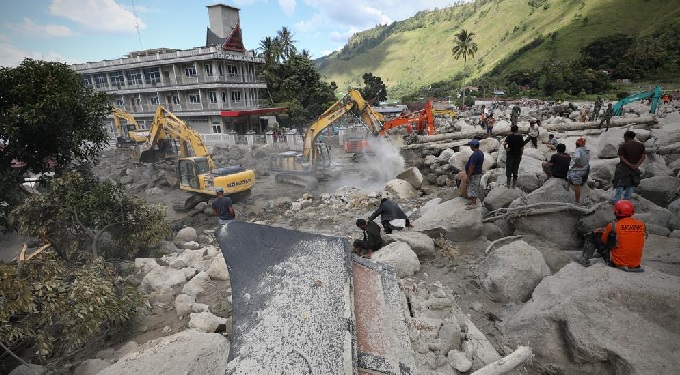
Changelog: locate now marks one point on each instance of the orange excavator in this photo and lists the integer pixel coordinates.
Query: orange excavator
(421, 122)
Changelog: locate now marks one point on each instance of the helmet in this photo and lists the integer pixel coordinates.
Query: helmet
(624, 208)
(581, 142)
(219, 189)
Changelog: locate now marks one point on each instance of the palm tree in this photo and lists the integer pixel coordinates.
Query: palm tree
(465, 48)
(268, 50)
(285, 38)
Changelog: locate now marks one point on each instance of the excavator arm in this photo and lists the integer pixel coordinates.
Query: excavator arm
(423, 119)
(654, 94)
(354, 102)
(131, 132)
(166, 125)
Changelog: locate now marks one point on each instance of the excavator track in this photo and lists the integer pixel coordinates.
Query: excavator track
(307, 181)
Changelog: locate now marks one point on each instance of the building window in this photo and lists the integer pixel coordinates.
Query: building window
(120, 103)
(152, 75)
(134, 77)
(213, 96)
(235, 96)
(190, 71)
(224, 96)
(208, 70)
(232, 70)
(87, 80)
(175, 99)
(219, 69)
(194, 98)
(117, 79)
(138, 101)
(217, 128)
(154, 100)
(100, 80)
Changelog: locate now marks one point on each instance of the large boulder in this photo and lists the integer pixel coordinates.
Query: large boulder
(661, 253)
(162, 277)
(459, 159)
(186, 234)
(205, 321)
(602, 171)
(659, 189)
(655, 165)
(601, 320)
(400, 256)
(400, 189)
(187, 352)
(530, 175)
(451, 220)
(420, 243)
(412, 176)
(510, 273)
(533, 153)
(500, 197)
(559, 227)
(608, 143)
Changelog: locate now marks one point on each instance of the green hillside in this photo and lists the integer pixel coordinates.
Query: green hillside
(414, 53)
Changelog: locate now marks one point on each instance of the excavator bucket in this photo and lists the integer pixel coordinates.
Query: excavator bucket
(303, 304)
(150, 156)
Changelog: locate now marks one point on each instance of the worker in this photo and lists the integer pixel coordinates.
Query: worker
(391, 216)
(371, 240)
(558, 166)
(627, 174)
(223, 208)
(514, 147)
(552, 142)
(489, 125)
(607, 116)
(514, 116)
(473, 169)
(533, 133)
(629, 237)
(596, 110)
(578, 174)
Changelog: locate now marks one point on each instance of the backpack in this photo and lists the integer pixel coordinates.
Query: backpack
(593, 244)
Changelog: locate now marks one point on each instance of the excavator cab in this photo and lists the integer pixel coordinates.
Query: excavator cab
(188, 170)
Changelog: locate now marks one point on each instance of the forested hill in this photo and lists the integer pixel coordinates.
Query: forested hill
(513, 36)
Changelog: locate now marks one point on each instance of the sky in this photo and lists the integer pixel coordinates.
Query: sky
(78, 31)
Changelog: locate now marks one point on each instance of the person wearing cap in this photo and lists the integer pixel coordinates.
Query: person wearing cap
(578, 173)
(223, 208)
(473, 169)
(372, 240)
(514, 147)
(629, 236)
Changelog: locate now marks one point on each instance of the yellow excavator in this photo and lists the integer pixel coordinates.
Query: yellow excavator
(311, 166)
(196, 171)
(130, 133)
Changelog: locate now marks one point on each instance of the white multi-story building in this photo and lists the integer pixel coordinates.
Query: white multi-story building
(214, 89)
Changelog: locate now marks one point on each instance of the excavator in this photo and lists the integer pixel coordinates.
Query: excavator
(654, 94)
(129, 133)
(311, 166)
(423, 121)
(196, 171)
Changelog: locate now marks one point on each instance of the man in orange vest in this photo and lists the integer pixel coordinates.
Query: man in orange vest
(626, 253)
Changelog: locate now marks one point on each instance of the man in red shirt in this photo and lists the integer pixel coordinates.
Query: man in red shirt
(630, 238)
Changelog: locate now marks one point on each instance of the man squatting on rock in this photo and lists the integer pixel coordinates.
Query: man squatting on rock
(222, 207)
(372, 240)
(391, 216)
(473, 170)
(558, 166)
(629, 238)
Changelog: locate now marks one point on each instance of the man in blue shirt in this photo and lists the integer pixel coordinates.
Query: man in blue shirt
(473, 169)
(222, 208)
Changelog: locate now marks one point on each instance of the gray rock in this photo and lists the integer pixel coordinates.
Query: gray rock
(675, 234)
(452, 220)
(530, 175)
(400, 189)
(400, 256)
(196, 286)
(183, 303)
(444, 156)
(661, 253)
(500, 197)
(430, 159)
(218, 269)
(412, 176)
(91, 367)
(167, 247)
(491, 231)
(659, 189)
(205, 322)
(655, 165)
(657, 229)
(190, 245)
(510, 273)
(459, 361)
(29, 369)
(568, 321)
(441, 180)
(420, 243)
(187, 352)
(436, 201)
(608, 143)
(162, 277)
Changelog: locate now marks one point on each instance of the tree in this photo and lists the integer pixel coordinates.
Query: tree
(268, 51)
(464, 47)
(374, 89)
(48, 119)
(285, 38)
(80, 209)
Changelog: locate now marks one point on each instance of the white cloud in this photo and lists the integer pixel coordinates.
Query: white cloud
(32, 28)
(288, 6)
(13, 56)
(98, 15)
